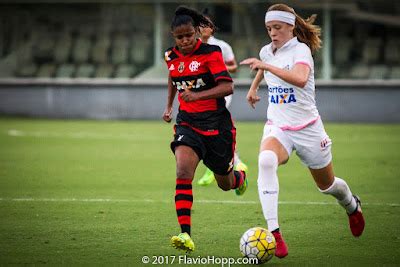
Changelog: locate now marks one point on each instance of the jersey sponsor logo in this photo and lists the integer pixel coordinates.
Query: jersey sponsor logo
(188, 85)
(281, 95)
(194, 66)
(181, 67)
(172, 67)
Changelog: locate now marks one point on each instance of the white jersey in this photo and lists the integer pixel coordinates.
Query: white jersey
(227, 55)
(227, 52)
(290, 107)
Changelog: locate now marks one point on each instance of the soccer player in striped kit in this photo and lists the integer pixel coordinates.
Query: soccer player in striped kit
(204, 129)
(293, 119)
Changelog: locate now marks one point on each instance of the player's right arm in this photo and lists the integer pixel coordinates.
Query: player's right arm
(167, 116)
(252, 96)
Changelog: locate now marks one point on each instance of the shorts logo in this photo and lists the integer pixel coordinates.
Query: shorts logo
(180, 137)
(230, 165)
(181, 67)
(326, 142)
(194, 66)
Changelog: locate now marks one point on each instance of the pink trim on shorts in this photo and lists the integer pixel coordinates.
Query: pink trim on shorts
(295, 128)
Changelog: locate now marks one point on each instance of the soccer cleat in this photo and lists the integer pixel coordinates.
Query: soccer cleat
(241, 189)
(281, 250)
(207, 178)
(241, 167)
(183, 242)
(356, 219)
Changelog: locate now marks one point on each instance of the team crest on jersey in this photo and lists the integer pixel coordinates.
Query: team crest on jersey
(181, 67)
(172, 67)
(194, 66)
(166, 55)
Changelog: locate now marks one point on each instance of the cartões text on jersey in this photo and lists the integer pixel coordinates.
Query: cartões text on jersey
(281, 95)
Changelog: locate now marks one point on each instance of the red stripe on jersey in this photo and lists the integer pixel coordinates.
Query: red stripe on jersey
(214, 62)
(208, 133)
(198, 106)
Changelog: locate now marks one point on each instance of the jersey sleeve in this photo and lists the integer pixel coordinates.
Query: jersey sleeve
(263, 54)
(217, 67)
(303, 56)
(228, 53)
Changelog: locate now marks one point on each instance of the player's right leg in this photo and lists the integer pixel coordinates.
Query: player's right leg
(272, 154)
(187, 149)
(186, 163)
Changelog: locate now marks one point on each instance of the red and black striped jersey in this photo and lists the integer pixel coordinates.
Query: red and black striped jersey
(198, 71)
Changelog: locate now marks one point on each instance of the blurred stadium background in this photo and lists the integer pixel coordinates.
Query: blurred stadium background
(111, 53)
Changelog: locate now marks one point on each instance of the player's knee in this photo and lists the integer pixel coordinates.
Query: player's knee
(268, 160)
(224, 183)
(225, 186)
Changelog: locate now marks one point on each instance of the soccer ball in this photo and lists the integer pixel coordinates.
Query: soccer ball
(258, 243)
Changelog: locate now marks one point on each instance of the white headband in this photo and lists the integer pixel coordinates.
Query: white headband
(283, 16)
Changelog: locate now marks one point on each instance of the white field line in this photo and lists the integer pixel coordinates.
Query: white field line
(202, 201)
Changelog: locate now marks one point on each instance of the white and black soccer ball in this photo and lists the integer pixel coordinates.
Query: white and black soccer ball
(258, 243)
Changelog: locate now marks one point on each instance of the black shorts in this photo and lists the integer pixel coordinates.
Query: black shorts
(216, 151)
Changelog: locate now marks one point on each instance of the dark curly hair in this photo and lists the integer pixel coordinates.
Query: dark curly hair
(185, 15)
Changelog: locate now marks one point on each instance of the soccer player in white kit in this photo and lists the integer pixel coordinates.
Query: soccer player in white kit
(293, 119)
(207, 36)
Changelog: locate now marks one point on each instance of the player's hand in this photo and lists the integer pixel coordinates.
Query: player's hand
(167, 116)
(252, 98)
(188, 96)
(253, 63)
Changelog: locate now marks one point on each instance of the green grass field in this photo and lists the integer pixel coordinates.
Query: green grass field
(101, 192)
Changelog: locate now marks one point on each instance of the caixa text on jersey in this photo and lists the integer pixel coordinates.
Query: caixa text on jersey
(188, 85)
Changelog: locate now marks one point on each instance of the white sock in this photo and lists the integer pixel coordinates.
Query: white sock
(341, 191)
(268, 187)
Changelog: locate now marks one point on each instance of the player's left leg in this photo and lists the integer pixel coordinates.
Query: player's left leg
(220, 158)
(234, 180)
(313, 146)
(329, 184)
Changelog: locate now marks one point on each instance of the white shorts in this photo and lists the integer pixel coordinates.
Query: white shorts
(312, 143)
